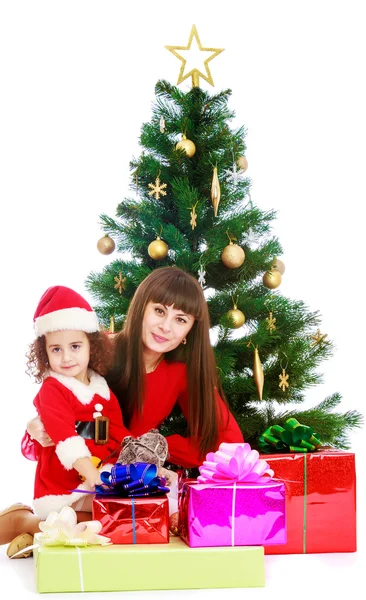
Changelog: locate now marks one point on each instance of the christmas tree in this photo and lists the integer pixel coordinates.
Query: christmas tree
(191, 207)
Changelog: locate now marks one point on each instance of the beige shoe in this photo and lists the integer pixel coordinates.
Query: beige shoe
(13, 507)
(22, 541)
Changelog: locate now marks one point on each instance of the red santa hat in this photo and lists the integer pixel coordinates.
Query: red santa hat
(60, 308)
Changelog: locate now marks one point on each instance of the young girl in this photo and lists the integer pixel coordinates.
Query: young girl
(82, 416)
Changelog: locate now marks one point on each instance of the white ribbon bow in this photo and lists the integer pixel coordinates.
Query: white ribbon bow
(62, 529)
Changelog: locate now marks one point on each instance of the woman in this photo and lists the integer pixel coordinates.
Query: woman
(163, 356)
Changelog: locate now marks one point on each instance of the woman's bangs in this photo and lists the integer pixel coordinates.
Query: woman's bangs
(181, 293)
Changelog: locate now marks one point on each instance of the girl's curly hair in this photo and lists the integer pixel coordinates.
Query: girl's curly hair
(101, 355)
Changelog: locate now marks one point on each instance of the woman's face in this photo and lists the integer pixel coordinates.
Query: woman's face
(164, 327)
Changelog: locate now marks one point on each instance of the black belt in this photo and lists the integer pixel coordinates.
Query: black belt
(97, 430)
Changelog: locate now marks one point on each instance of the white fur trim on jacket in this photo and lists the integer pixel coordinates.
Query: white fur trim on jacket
(75, 319)
(84, 393)
(43, 506)
(70, 450)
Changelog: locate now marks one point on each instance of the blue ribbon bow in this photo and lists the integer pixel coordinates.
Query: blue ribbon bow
(134, 480)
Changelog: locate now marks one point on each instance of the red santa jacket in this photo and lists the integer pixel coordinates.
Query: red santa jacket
(61, 402)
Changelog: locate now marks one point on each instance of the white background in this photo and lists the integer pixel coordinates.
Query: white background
(77, 81)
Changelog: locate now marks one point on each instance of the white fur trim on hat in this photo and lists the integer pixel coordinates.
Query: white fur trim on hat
(70, 450)
(77, 319)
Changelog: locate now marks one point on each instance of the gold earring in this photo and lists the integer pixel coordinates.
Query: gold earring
(184, 341)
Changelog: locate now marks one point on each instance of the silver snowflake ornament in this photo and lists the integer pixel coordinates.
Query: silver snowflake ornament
(201, 276)
(234, 174)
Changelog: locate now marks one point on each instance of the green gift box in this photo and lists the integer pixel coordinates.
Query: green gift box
(139, 567)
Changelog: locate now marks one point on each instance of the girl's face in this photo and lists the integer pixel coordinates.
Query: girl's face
(164, 327)
(69, 353)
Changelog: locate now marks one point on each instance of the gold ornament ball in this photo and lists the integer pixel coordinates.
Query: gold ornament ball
(174, 523)
(279, 265)
(236, 317)
(242, 163)
(157, 249)
(106, 245)
(233, 256)
(186, 145)
(272, 279)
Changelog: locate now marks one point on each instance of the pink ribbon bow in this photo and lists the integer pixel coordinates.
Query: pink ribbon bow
(234, 463)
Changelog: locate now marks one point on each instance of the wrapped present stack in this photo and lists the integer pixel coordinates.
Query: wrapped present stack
(320, 490)
(296, 497)
(132, 505)
(126, 544)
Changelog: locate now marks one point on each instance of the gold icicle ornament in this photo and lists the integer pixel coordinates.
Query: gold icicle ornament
(258, 374)
(111, 324)
(215, 191)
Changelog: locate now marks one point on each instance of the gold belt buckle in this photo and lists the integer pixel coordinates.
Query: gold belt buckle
(101, 435)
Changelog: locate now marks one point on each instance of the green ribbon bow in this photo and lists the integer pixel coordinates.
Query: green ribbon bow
(292, 437)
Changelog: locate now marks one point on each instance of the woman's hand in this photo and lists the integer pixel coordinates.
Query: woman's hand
(170, 476)
(37, 432)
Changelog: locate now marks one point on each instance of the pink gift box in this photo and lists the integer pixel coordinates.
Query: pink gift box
(240, 514)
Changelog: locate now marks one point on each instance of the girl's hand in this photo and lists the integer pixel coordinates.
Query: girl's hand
(37, 432)
(94, 480)
(89, 473)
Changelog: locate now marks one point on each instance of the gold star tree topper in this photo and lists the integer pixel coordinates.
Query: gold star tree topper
(194, 59)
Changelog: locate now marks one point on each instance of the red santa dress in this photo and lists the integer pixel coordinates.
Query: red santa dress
(61, 402)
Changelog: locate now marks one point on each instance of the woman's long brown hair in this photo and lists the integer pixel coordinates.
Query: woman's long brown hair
(170, 286)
